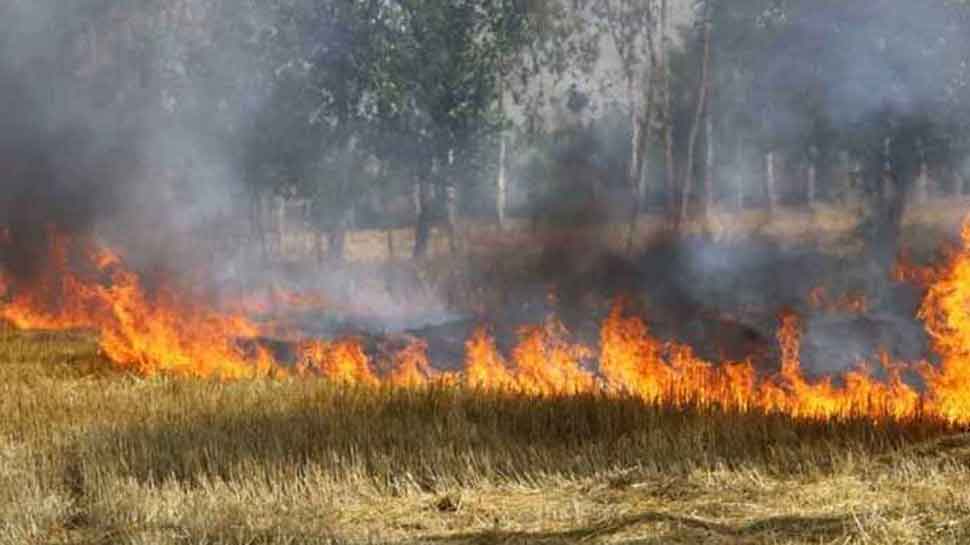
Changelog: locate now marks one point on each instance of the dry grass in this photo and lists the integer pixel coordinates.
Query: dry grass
(88, 456)
(823, 223)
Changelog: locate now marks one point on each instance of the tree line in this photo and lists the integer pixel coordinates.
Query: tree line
(548, 109)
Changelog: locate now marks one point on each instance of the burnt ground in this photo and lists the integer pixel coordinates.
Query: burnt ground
(722, 299)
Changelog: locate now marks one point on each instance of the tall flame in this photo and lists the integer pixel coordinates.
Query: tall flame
(485, 368)
(547, 363)
(158, 333)
(163, 330)
(342, 361)
(411, 366)
(946, 313)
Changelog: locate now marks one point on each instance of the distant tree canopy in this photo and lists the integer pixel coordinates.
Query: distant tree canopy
(355, 104)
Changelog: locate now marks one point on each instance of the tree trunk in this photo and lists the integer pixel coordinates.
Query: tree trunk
(738, 176)
(641, 129)
(695, 126)
(812, 175)
(501, 189)
(451, 204)
(633, 174)
(886, 180)
(503, 182)
(771, 187)
(319, 246)
(422, 230)
(642, 187)
(336, 242)
(710, 145)
(670, 169)
(849, 177)
(923, 181)
(337, 236)
(451, 218)
(888, 215)
(318, 234)
(391, 252)
(535, 207)
(279, 225)
(256, 222)
(709, 196)
(389, 263)
(636, 171)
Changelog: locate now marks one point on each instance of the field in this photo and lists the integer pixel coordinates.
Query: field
(92, 456)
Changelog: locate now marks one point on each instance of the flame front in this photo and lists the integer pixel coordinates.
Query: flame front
(946, 313)
(161, 333)
(164, 331)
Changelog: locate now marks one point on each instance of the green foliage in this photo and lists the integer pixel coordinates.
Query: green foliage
(347, 99)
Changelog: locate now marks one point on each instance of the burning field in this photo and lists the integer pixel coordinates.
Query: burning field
(484, 272)
(171, 330)
(145, 409)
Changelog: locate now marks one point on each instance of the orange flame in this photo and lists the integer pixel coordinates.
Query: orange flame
(906, 270)
(411, 366)
(547, 363)
(847, 303)
(342, 361)
(946, 313)
(485, 367)
(164, 331)
(635, 362)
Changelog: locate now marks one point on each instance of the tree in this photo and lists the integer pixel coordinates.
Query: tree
(632, 26)
(892, 103)
(514, 26)
(437, 88)
(703, 90)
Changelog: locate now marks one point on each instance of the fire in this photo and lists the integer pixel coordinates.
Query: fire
(906, 270)
(54, 300)
(544, 362)
(630, 359)
(149, 334)
(342, 361)
(669, 374)
(860, 394)
(411, 366)
(547, 363)
(345, 362)
(165, 331)
(635, 362)
(946, 313)
(485, 368)
(848, 303)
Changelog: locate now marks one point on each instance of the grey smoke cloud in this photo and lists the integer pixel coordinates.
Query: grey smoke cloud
(96, 132)
(849, 61)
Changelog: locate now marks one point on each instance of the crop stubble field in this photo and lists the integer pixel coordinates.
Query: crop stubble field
(91, 455)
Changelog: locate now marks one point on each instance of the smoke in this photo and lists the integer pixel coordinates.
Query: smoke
(99, 133)
(108, 130)
(54, 166)
(837, 72)
(150, 127)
